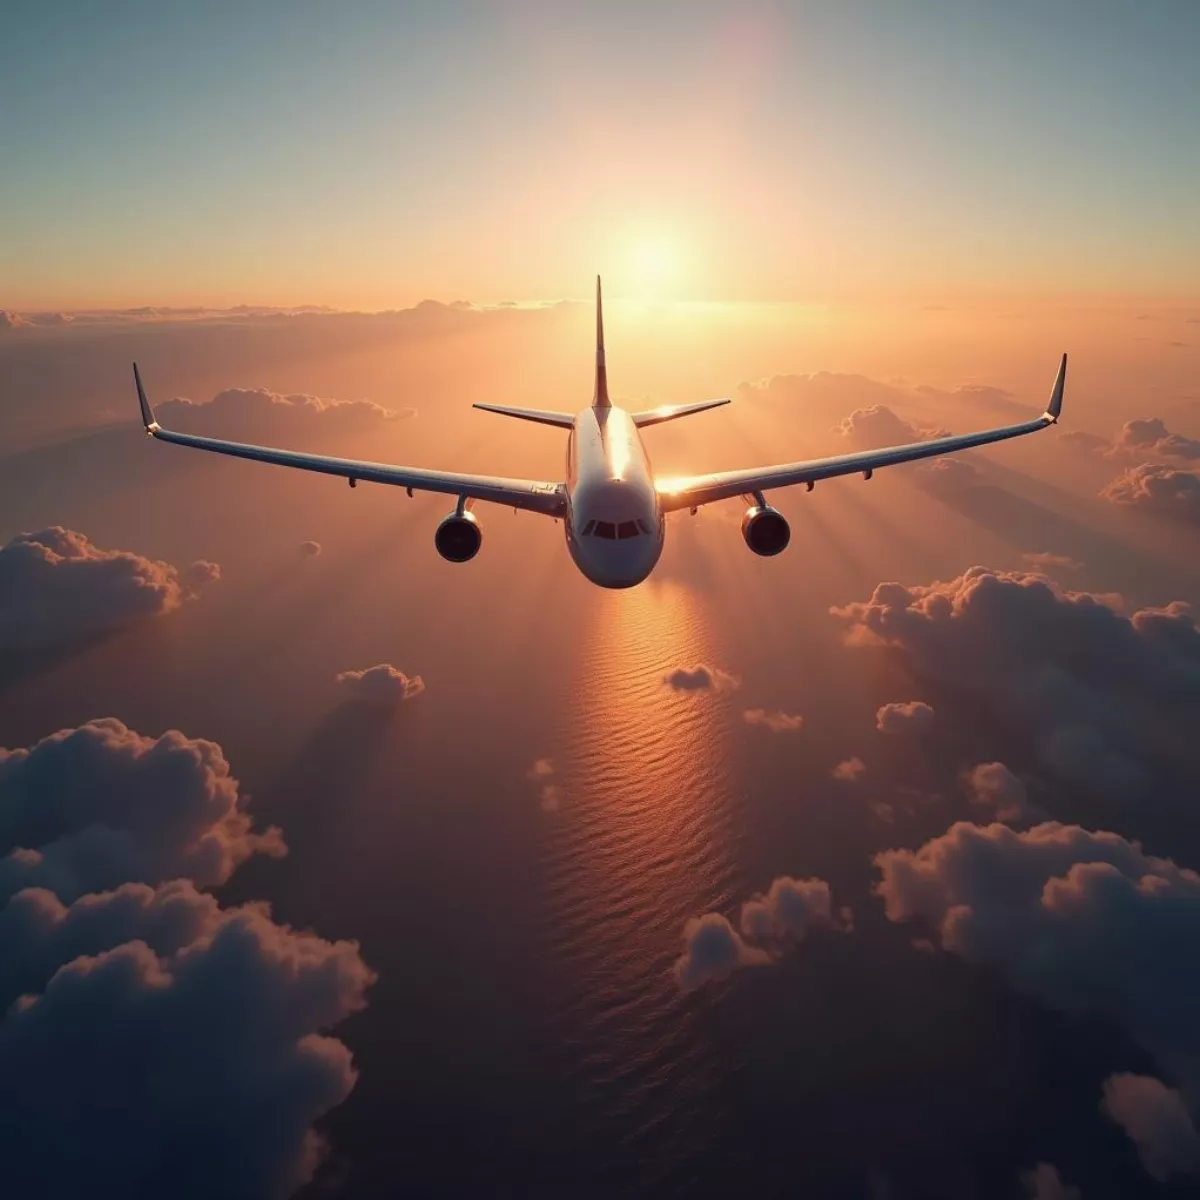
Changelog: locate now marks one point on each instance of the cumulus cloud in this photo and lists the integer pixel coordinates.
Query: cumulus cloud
(1085, 921)
(994, 787)
(55, 586)
(780, 917)
(1156, 488)
(174, 1047)
(776, 722)
(381, 684)
(1157, 1121)
(945, 476)
(701, 678)
(90, 808)
(1045, 1183)
(260, 412)
(1150, 435)
(310, 549)
(908, 716)
(878, 425)
(713, 950)
(848, 770)
(1097, 693)
(542, 773)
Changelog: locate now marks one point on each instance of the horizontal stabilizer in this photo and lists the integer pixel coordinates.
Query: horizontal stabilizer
(540, 415)
(670, 412)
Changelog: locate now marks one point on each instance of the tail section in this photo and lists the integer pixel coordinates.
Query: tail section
(600, 399)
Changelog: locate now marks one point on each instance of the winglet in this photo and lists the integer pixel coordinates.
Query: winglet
(1056, 396)
(147, 412)
(600, 399)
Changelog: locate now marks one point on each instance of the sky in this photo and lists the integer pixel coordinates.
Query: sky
(372, 155)
(332, 868)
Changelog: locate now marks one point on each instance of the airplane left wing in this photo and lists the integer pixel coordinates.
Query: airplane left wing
(705, 489)
(546, 498)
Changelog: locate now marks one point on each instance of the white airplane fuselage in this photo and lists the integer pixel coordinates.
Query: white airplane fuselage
(614, 525)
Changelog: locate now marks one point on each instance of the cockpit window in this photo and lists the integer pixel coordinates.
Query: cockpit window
(643, 526)
(627, 529)
(587, 529)
(606, 529)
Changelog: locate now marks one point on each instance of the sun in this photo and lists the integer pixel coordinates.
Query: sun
(653, 265)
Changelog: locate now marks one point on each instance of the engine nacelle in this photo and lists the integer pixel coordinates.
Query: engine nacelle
(458, 537)
(766, 530)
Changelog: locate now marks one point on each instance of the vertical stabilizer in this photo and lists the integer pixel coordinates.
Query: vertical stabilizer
(600, 399)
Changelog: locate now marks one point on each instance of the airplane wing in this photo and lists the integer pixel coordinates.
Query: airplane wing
(547, 498)
(540, 415)
(693, 491)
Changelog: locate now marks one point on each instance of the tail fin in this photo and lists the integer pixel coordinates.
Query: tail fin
(600, 399)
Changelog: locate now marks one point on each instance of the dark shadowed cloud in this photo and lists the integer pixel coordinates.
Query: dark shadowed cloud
(771, 922)
(776, 722)
(992, 786)
(701, 678)
(1150, 436)
(906, 716)
(1156, 488)
(381, 684)
(1085, 921)
(154, 1043)
(1045, 1183)
(55, 586)
(1157, 1120)
(91, 808)
(1098, 694)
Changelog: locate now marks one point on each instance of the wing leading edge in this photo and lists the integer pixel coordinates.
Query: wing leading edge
(546, 498)
(705, 489)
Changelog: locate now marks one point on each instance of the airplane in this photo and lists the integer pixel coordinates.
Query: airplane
(612, 507)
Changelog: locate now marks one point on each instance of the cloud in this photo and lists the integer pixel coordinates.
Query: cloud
(776, 722)
(713, 950)
(908, 716)
(1084, 921)
(878, 425)
(1045, 1183)
(381, 684)
(1081, 440)
(994, 787)
(1060, 561)
(1157, 1121)
(1158, 489)
(195, 1073)
(259, 413)
(701, 678)
(310, 549)
(946, 476)
(1097, 694)
(90, 808)
(770, 922)
(550, 793)
(849, 770)
(1150, 435)
(11, 320)
(173, 1046)
(56, 586)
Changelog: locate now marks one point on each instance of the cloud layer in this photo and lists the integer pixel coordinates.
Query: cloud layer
(55, 586)
(1155, 488)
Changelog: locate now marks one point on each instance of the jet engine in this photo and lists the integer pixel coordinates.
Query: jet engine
(766, 530)
(458, 537)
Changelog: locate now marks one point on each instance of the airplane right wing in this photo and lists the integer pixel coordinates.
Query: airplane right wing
(705, 489)
(547, 498)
